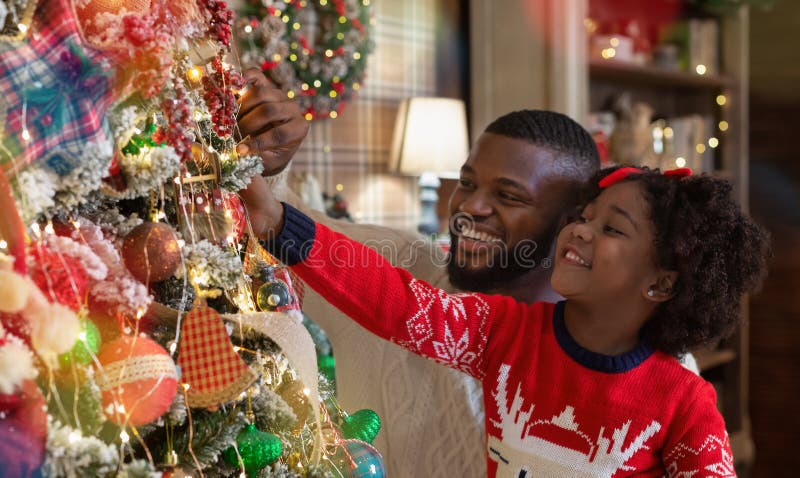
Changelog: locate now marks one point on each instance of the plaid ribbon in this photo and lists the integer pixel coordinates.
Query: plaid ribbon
(209, 365)
(53, 90)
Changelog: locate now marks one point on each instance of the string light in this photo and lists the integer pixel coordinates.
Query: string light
(721, 100)
(194, 74)
(608, 53)
(317, 83)
(248, 29)
(340, 187)
(333, 114)
(614, 42)
(357, 56)
(700, 148)
(700, 69)
(680, 162)
(332, 94)
(723, 126)
(713, 142)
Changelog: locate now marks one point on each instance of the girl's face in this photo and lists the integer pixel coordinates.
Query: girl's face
(607, 254)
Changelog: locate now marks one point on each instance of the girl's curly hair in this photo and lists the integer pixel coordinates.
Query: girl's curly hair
(718, 252)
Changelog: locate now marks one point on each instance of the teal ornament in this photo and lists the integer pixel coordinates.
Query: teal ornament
(273, 295)
(356, 459)
(87, 345)
(257, 449)
(362, 425)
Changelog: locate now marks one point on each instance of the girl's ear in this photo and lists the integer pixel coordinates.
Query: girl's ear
(663, 288)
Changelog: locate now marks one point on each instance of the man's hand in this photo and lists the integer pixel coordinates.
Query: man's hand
(270, 123)
(265, 212)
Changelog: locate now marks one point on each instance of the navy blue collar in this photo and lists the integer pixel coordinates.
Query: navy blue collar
(594, 360)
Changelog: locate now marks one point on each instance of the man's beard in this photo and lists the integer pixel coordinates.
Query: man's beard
(504, 267)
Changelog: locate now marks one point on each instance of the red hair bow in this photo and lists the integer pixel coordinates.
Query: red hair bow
(623, 173)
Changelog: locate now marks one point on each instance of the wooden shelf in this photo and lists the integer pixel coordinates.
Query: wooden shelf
(630, 73)
(707, 359)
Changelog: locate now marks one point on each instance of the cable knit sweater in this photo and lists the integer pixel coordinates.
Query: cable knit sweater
(432, 416)
(552, 407)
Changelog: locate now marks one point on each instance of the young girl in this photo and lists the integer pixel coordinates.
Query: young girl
(654, 264)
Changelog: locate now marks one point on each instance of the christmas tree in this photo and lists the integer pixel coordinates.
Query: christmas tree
(142, 332)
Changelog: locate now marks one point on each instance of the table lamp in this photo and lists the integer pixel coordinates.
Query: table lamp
(430, 141)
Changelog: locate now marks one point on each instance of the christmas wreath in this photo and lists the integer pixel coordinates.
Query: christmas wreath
(315, 50)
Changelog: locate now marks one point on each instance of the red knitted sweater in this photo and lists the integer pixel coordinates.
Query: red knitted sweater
(553, 408)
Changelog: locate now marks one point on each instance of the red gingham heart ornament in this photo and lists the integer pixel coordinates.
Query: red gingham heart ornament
(209, 365)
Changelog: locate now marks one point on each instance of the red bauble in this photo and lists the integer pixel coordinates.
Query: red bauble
(138, 380)
(23, 431)
(151, 252)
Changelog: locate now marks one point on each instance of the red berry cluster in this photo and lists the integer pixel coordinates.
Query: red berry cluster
(219, 98)
(219, 20)
(177, 133)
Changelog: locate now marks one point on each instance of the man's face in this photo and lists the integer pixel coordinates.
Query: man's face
(505, 211)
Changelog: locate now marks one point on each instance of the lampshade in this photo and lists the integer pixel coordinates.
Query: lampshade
(430, 136)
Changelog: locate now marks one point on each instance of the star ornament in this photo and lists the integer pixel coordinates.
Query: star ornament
(54, 94)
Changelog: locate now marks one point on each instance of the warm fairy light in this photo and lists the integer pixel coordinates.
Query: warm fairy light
(296, 26)
(333, 114)
(608, 53)
(293, 57)
(194, 74)
(614, 42)
(365, 2)
(700, 69)
(308, 116)
(304, 87)
(26, 135)
(340, 36)
(356, 85)
(356, 55)
(332, 94)
(290, 94)
(700, 148)
(340, 187)
(680, 162)
(723, 126)
(3, 244)
(285, 18)
(721, 100)
(276, 57)
(668, 132)
(713, 142)
(123, 435)
(329, 53)
(323, 2)
(590, 25)
(74, 437)
(317, 83)
(248, 29)
(342, 19)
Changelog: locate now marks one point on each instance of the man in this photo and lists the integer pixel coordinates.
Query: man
(519, 181)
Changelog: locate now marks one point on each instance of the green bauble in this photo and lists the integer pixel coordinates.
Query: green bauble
(327, 367)
(257, 449)
(273, 295)
(88, 344)
(362, 425)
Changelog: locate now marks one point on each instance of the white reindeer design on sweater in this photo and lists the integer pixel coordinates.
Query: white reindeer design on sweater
(520, 454)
